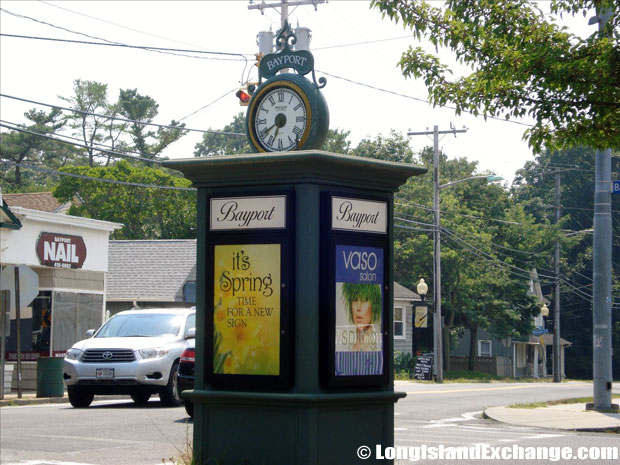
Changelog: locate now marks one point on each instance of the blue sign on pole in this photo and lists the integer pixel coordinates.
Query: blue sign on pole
(616, 187)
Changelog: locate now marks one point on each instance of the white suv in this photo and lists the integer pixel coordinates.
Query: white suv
(135, 352)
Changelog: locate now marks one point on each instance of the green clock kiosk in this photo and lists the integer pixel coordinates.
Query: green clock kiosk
(294, 340)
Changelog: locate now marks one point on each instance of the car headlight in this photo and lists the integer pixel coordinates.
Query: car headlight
(157, 352)
(73, 354)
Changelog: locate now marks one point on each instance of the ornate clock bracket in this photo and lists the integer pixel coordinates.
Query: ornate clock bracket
(301, 61)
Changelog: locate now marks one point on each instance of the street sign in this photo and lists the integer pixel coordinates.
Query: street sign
(28, 284)
(616, 189)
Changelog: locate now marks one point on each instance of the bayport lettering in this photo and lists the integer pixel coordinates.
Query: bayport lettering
(230, 212)
(357, 218)
(286, 60)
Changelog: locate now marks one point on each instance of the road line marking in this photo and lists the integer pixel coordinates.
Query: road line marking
(89, 438)
(501, 388)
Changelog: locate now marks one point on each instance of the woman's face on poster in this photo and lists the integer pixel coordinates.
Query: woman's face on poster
(362, 312)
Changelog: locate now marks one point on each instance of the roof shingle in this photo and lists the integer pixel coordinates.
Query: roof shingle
(153, 270)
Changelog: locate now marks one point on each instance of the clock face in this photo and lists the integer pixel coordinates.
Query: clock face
(282, 119)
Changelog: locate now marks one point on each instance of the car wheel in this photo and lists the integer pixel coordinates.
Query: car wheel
(169, 395)
(79, 398)
(141, 398)
(189, 408)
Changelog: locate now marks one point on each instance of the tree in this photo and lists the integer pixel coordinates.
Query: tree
(337, 141)
(524, 64)
(145, 212)
(394, 147)
(142, 109)
(19, 147)
(534, 189)
(89, 100)
(484, 276)
(229, 141)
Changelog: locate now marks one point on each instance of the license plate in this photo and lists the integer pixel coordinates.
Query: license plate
(105, 373)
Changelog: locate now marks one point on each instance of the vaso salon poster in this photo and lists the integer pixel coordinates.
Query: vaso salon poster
(246, 316)
(359, 311)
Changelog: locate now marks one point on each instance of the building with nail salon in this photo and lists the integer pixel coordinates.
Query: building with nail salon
(69, 256)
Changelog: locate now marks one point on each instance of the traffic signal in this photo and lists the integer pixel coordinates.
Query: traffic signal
(245, 93)
(243, 96)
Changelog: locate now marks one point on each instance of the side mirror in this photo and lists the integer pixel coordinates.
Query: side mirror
(191, 333)
(90, 332)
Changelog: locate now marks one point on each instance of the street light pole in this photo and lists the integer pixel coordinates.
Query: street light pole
(437, 319)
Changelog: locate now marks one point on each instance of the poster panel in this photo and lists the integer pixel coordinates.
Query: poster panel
(246, 309)
(359, 311)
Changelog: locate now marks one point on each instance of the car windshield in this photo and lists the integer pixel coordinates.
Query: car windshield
(136, 325)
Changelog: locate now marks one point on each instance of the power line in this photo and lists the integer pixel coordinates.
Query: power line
(209, 104)
(112, 43)
(112, 152)
(89, 178)
(138, 47)
(115, 24)
(95, 146)
(117, 118)
(418, 99)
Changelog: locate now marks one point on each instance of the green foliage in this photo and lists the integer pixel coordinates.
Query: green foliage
(225, 144)
(404, 362)
(21, 147)
(522, 64)
(484, 276)
(394, 147)
(90, 99)
(534, 189)
(146, 213)
(336, 141)
(143, 109)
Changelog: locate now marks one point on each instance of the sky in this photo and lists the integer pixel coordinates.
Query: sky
(350, 42)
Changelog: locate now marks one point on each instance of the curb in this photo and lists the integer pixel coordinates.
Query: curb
(602, 429)
(29, 399)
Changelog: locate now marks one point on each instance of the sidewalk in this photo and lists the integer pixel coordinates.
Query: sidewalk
(30, 398)
(573, 417)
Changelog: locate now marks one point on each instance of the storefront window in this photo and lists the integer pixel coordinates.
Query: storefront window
(74, 314)
(57, 318)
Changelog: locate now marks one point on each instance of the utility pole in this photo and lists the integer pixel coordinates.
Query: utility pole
(283, 5)
(557, 367)
(437, 318)
(601, 275)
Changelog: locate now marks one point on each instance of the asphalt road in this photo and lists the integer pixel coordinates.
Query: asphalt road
(450, 415)
(117, 432)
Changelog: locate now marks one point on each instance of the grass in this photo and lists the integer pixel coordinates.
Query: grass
(574, 400)
(466, 376)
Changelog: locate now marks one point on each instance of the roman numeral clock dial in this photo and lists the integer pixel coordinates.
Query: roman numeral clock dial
(281, 121)
(286, 113)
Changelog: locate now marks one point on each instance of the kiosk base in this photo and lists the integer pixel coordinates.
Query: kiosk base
(292, 429)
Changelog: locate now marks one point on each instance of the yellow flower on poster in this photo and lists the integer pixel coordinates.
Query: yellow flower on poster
(246, 314)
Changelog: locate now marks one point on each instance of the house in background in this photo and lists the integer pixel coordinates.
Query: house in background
(404, 313)
(151, 274)
(511, 358)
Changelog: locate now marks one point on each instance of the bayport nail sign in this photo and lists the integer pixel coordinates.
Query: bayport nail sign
(249, 288)
(354, 317)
